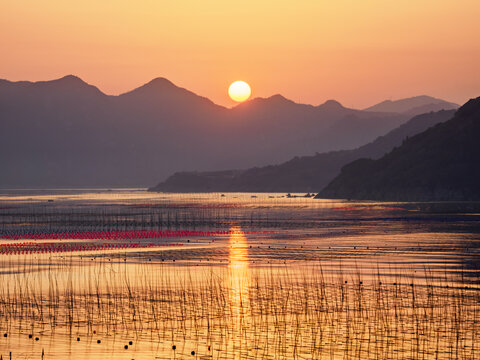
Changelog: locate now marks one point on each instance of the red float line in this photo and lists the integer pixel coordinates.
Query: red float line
(34, 248)
(125, 235)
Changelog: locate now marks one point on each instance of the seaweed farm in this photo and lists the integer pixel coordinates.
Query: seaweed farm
(129, 274)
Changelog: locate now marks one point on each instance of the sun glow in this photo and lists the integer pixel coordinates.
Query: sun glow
(239, 91)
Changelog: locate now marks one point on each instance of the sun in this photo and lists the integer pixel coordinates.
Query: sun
(239, 91)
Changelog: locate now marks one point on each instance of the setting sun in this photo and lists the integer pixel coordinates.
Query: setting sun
(239, 91)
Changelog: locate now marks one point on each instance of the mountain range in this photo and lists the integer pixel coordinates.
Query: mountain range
(67, 133)
(439, 164)
(413, 106)
(300, 174)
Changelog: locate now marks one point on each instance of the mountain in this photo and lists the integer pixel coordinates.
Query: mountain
(300, 174)
(67, 133)
(438, 164)
(413, 105)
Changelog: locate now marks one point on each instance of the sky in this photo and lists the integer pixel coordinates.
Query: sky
(358, 52)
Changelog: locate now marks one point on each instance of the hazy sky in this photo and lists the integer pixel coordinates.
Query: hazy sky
(358, 52)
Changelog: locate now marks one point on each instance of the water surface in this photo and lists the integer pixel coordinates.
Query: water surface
(235, 276)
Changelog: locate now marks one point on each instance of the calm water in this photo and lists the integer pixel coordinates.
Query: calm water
(235, 276)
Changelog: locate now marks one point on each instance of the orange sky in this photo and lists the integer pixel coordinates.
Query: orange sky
(358, 52)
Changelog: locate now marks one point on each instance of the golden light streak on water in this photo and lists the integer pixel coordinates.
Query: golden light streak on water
(238, 284)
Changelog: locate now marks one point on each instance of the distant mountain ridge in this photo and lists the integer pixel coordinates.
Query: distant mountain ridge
(300, 174)
(168, 91)
(413, 105)
(67, 133)
(439, 164)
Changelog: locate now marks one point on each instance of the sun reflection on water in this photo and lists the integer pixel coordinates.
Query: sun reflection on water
(238, 274)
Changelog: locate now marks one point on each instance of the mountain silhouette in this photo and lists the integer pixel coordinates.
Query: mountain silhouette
(413, 106)
(67, 133)
(300, 174)
(438, 164)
